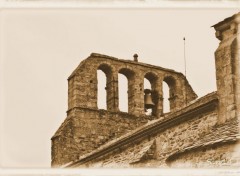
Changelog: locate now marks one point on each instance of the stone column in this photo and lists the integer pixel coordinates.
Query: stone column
(136, 95)
(227, 68)
(157, 97)
(112, 91)
(178, 94)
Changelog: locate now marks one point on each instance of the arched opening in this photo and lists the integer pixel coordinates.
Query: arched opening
(123, 92)
(169, 94)
(150, 94)
(104, 74)
(126, 90)
(102, 95)
(166, 103)
(147, 85)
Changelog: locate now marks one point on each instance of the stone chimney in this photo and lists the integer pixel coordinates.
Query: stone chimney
(227, 60)
(135, 56)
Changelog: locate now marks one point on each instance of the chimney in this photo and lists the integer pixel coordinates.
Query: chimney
(135, 56)
(227, 61)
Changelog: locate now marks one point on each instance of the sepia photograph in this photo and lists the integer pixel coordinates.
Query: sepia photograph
(136, 85)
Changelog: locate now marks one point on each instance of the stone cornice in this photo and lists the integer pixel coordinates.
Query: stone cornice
(222, 25)
(97, 55)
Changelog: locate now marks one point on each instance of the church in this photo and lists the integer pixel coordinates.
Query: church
(197, 132)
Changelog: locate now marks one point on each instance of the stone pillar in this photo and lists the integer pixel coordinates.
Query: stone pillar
(227, 67)
(136, 95)
(236, 57)
(178, 94)
(82, 87)
(157, 98)
(112, 92)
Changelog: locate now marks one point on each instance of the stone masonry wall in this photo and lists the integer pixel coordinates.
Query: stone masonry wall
(200, 142)
(155, 149)
(221, 139)
(224, 155)
(227, 67)
(167, 143)
(63, 148)
(184, 135)
(87, 129)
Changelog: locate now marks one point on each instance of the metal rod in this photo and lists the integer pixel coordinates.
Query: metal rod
(185, 68)
(185, 65)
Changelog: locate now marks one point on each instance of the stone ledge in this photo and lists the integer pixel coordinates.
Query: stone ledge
(76, 109)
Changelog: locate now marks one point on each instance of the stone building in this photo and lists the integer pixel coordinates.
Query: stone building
(201, 132)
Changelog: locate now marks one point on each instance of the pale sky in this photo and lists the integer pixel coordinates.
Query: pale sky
(40, 48)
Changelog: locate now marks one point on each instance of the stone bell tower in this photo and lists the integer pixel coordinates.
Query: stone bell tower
(228, 67)
(87, 127)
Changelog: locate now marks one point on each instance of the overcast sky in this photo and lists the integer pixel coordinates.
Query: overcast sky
(40, 49)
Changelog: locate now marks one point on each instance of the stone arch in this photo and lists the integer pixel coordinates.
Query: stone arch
(101, 89)
(127, 72)
(110, 88)
(130, 75)
(152, 78)
(171, 82)
(107, 69)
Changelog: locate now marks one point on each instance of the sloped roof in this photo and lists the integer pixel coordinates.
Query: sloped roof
(131, 157)
(227, 132)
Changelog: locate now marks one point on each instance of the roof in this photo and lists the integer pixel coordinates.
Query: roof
(223, 133)
(138, 155)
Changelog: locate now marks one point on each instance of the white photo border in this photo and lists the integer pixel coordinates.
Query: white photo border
(11, 4)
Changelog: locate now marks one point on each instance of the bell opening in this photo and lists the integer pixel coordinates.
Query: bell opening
(148, 103)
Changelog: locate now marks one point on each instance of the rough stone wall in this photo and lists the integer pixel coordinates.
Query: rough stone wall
(223, 155)
(123, 159)
(219, 138)
(167, 142)
(155, 149)
(87, 129)
(183, 135)
(200, 142)
(227, 68)
(63, 147)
